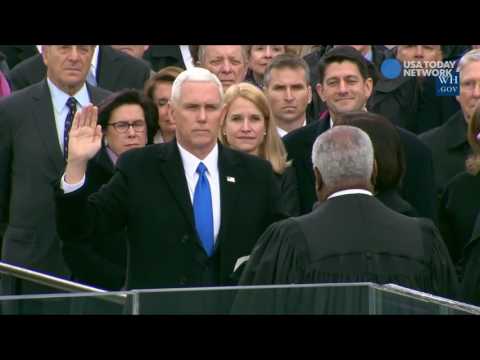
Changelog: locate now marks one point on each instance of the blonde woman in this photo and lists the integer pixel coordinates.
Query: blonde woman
(248, 126)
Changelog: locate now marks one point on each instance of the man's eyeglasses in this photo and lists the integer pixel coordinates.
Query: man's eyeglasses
(123, 126)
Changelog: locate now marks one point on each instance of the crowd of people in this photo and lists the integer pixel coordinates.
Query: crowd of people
(148, 166)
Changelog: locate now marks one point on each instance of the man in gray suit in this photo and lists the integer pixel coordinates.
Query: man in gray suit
(34, 124)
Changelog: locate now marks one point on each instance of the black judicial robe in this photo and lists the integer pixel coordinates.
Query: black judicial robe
(350, 238)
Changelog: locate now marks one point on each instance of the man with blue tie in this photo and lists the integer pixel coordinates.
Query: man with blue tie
(193, 208)
(34, 127)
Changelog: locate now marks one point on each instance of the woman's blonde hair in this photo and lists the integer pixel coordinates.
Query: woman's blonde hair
(473, 161)
(272, 148)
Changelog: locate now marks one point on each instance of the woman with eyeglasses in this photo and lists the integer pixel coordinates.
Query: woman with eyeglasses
(128, 119)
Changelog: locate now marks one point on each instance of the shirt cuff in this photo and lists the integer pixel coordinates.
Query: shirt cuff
(68, 188)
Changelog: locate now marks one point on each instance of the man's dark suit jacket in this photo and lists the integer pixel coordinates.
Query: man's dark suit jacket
(459, 207)
(160, 56)
(450, 149)
(31, 160)
(17, 53)
(148, 193)
(99, 262)
(418, 182)
(115, 71)
(353, 238)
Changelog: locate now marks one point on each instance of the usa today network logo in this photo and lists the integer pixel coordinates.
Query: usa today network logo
(447, 79)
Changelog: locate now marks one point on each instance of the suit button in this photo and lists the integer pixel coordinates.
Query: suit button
(369, 255)
(183, 280)
(184, 239)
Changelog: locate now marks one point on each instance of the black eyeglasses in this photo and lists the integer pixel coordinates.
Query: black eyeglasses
(123, 126)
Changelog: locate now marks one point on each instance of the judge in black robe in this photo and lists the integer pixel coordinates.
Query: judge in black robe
(351, 237)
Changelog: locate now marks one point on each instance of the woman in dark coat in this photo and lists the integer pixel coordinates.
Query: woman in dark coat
(389, 157)
(460, 203)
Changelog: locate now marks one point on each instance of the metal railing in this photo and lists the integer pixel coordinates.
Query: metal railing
(57, 283)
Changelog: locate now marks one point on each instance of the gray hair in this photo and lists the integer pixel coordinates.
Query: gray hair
(469, 57)
(202, 50)
(196, 74)
(343, 152)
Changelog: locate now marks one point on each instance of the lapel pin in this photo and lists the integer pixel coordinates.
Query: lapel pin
(230, 179)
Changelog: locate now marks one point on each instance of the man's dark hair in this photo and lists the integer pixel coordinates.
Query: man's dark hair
(289, 61)
(130, 97)
(340, 54)
(387, 145)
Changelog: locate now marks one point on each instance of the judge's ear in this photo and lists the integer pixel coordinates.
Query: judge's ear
(318, 181)
(373, 178)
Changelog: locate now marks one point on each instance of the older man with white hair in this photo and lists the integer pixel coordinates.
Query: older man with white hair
(351, 236)
(185, 203)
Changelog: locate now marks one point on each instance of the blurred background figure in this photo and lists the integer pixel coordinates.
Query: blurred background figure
(162, 56)
(4, 84)
(259, 57)
(159, 89)
(248, 126)
(228, 62)
(448, 142)
(136, 51)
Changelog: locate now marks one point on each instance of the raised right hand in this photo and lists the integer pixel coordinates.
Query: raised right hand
(85, 138)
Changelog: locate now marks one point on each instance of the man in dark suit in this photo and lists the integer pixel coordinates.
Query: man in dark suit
(350, 236)
(183, 202)
(287, 87)
(345, 86)
(114, 71)
(32, 141)
(448, 142)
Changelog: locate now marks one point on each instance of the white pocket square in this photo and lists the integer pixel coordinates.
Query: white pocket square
(240, 261)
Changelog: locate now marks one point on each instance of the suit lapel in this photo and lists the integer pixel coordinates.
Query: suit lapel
(171, 168)
(230, 179)
(106, 61)
(42, 111)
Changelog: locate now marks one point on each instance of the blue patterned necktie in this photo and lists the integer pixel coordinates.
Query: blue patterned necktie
(202, 209)
(72, 108)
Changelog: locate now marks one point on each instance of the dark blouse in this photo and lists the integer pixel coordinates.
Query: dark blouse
(458, 210)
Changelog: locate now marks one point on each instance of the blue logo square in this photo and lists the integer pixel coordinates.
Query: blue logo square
(448, 85)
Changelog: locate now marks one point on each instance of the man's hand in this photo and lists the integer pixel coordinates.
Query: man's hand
(85, 140)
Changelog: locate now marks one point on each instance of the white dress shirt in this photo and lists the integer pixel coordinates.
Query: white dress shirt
(349, 192)
(190, 164)
(60, 108)
(187, 56)
(94, 64)
(282, 132)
